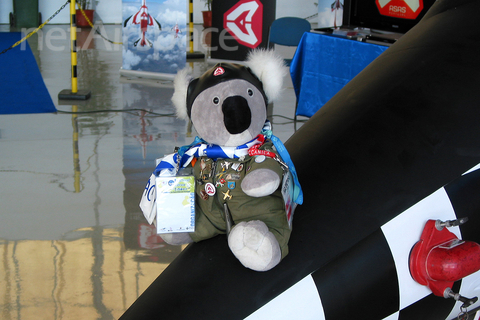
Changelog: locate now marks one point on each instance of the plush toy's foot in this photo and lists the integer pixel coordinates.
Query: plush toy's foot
(254, 245)
(176, 238)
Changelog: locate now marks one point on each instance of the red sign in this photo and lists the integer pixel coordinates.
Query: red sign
(244, 22)
(405, 9)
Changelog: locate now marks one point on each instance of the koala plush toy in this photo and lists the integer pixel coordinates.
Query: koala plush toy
(237, 165)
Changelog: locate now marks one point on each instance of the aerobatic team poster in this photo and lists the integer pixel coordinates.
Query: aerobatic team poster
(154, 35)
(330, 13)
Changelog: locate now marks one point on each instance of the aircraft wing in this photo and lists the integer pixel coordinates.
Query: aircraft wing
(127, 21)
(404, 128)
(155, 21)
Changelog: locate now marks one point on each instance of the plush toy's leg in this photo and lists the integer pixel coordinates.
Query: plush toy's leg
(254, 245)
(176, 238)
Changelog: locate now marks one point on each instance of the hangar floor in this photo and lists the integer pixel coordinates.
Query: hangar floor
(73, 241)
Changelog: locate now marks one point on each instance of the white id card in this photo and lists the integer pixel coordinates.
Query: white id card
(175, 204)
(287, 191)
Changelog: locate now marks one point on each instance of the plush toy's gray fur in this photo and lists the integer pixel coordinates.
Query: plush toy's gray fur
(268, 66)
(205, 111)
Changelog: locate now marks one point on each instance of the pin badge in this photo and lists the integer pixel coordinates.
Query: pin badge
(218, 71)
(227, 195)
(259, 159)
(204, 195)
(237, 167)
(220, 182)
(210, 189)
(231, 185)
(226, 165)
(233, 176)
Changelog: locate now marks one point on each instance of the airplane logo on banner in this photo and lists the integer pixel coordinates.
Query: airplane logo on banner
(405, 9)
(144, 19)
(244, 21)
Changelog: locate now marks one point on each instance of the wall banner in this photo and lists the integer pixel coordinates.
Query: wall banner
(240, 26)
(154, 37)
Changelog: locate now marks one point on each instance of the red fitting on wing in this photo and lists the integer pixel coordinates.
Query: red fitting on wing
(440, 258)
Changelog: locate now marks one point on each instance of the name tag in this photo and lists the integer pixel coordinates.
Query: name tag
(175, 202)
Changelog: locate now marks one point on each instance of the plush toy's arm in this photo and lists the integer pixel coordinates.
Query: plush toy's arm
(264, 175)
(260, 182)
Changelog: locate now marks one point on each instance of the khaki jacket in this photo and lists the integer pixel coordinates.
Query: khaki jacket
(224, 178)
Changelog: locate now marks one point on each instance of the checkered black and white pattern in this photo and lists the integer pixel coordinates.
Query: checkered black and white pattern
(372, 280)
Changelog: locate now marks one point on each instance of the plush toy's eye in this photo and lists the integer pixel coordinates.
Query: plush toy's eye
(216, 100)
(250, 92)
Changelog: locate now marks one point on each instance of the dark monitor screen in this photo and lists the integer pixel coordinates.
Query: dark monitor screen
(389, 15)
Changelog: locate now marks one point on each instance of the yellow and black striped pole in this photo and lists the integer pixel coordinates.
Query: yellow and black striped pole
(191, 54)
(190, 24)
(73, 45)
(76, 153)
(73, 93)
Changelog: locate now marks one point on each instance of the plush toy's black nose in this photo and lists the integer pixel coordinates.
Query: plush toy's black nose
(236, 114)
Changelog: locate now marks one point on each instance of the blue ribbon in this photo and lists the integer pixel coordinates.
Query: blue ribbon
(283, 152)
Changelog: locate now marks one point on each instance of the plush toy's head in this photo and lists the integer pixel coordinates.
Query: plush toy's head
(228, 103)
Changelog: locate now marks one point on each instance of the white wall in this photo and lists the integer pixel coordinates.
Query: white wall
(110, 11)
(285, 8)
(300, 8)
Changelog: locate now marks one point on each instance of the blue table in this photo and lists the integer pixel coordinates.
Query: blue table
(323, 64)
(22, 88)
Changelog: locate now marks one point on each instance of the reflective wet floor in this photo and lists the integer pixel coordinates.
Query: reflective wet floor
(73, 241)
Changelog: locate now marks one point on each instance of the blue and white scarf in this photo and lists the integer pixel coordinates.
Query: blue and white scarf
(170, 164)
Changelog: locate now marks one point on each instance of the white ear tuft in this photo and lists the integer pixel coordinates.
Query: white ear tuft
(270, 68)
(180, 86)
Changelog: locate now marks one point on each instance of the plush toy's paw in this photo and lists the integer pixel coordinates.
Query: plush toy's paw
(176, 238)
(260, 183)
(254, 245)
